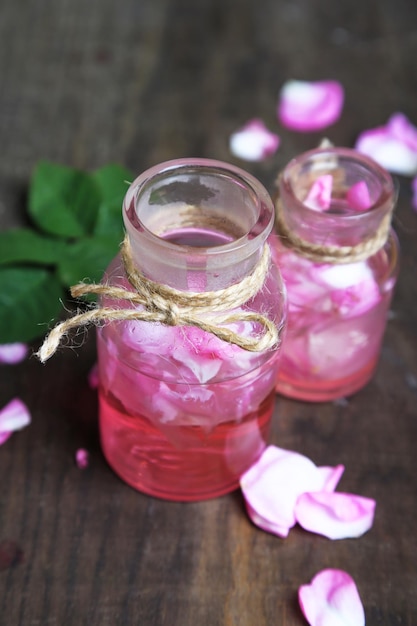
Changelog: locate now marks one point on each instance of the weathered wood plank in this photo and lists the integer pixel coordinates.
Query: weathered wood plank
(137, 83)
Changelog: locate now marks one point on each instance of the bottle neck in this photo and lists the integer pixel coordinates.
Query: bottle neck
(340, 224)
(197, 225)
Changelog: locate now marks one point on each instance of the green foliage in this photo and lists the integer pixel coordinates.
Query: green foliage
(63, 201)
(112, 181)
(78, 228)
(26, 246)
(29, 299)
(86, 259)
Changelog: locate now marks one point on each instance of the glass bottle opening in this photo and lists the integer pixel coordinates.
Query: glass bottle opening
(184, 202)
(338, 221)
(347, 168)
(194, 215)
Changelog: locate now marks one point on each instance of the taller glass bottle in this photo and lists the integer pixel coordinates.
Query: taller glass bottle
(339, 260)
(183, 412)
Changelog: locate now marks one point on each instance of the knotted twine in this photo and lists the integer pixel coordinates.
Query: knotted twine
(333, 254)
(163, 304)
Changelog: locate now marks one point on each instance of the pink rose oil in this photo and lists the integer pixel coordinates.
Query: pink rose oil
(334, 198)
(182, 413)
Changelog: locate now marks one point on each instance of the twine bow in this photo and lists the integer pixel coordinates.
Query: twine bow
(163, 304)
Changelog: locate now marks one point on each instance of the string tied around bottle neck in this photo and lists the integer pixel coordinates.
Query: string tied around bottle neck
(331, 253)
(210, 311)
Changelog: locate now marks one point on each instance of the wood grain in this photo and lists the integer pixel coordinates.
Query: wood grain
(137, 83)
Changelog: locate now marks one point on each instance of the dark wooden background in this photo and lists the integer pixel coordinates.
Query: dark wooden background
(137, 82)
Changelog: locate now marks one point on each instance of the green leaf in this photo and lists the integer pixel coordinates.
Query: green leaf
(113, 182)
(29, 299)
(109, 221)
(87, 259)
(26, 246)
(63, 201)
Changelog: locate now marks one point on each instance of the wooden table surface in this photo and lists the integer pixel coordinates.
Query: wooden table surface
(137, 82)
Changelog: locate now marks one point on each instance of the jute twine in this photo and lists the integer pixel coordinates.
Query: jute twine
(331, 253)
(163, 304)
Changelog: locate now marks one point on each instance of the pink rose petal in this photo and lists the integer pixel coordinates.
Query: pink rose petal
(319, 196)
(272, 486)
(331, 599)
(82, 458)
(310, 106)
(14, 416)
(394, 146)
(335, 515)
(12, 353)
(401, 128)
(93, 378)
(358, 196)
(354, 301)
(331, 476)
(254, 142)
(4, 437)
(414, 190)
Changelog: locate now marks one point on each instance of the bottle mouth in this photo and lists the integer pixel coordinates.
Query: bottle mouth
(348, 169)
(198, 204)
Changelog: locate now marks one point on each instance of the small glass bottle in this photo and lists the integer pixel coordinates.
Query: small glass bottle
(338, 257)
(184, 413)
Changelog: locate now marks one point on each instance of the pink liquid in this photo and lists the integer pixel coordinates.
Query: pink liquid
(336, 311)
(311, 389)
(182, 413)
(197, 237)
(182, 463)
(334, 334)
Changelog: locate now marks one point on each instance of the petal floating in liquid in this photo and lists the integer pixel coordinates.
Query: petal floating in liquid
(358, 196)
(319, 197)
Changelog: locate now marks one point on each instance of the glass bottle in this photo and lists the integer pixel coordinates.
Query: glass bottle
(338, 257)
(184, 413)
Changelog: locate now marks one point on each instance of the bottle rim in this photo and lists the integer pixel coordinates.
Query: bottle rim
(388, 186)
(257, 233)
